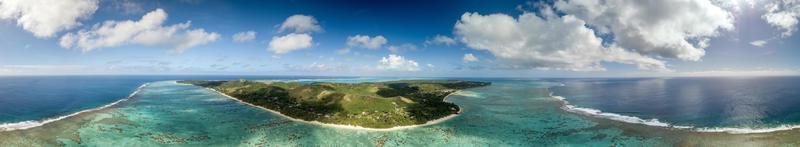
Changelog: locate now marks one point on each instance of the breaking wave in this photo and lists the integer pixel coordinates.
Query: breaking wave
(35, 123)
(655, 122)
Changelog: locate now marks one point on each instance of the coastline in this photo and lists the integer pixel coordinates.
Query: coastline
(353, 127)
(23, 125)
(656, 123)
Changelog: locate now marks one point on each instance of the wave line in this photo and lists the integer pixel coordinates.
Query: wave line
(35, 123)
(657, 123)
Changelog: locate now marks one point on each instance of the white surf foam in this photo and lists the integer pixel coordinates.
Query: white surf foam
(467, 94)
(35, 123)
(733, 130)
(657, 123)
(613, 116)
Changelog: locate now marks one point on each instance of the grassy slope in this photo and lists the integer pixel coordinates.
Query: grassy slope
(373, 105)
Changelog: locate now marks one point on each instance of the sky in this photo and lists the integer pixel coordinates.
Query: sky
(466, 38)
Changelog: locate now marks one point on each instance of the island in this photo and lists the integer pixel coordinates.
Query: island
(369, 105)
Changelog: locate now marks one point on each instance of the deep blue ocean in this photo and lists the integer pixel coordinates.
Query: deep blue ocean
(24, 98)
(708, 102)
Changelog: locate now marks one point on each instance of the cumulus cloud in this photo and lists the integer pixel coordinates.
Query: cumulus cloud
(244, 36)
(291, 42)
(45, 18)
(665, 28)
(191, 39)
(149, 30)
(303, 26)
(758, 43)
(441, 40)
(469, 58)
(300, 24)
(783, 14)
(552, 42)
(397, 63)
(365, 41)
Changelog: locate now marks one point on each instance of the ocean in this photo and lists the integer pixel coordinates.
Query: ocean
(702, 102)
(510, 112)
(27, 100)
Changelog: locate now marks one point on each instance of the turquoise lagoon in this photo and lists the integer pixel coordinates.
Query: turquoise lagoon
(508, 113)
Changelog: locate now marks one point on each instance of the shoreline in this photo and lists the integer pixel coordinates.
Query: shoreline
(23, 125)
(353, 127)
(656, 123)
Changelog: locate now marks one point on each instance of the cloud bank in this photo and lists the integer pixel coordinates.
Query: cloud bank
(149, 30)
(664, 28)
(45, 18)
(579, 35)
(532, 42)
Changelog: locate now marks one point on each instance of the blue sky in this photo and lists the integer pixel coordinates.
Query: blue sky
(569, 38)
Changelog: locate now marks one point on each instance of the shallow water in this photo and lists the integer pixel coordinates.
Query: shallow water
(508, 113)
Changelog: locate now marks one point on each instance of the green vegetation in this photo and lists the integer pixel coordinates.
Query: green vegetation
(372, 105)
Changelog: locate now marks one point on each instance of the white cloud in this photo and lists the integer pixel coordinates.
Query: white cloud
(397, 63)
(300, 24)
(441, 40)
(364, 41)
(303, 25)
(45, 18)
(194, 38)
(470, 58)
(149, 31)
(735, 5)
(783, 14)
(291, 42)
(244, 36)
(401, 48)
(664, 28)
(532, 42)
(759, 43)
